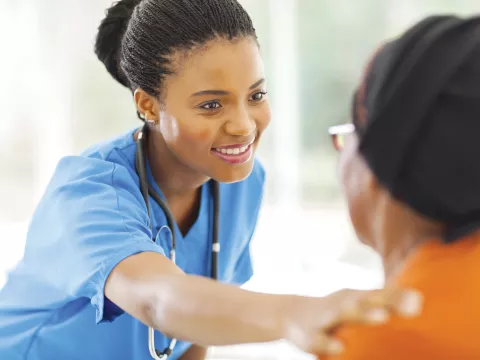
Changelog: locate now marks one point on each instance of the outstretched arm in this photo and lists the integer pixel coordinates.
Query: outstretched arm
(205, 312)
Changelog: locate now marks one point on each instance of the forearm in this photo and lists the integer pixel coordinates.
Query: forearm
(195, 352)
(209, 313)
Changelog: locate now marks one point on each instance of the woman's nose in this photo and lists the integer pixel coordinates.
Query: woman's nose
(242, 124)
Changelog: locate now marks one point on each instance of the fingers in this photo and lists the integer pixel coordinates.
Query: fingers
(345, 307)
(407, 303)
(321, 344)
(359, 312)
(375, 307)
(312, 340)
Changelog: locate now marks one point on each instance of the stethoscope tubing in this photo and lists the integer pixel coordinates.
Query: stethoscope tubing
(148, 190)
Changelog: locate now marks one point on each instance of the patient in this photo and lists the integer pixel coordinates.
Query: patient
(410, 170)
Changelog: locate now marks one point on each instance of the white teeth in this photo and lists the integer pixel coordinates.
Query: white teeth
(233, 151)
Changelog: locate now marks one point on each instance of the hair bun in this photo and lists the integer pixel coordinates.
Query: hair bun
(109, 37)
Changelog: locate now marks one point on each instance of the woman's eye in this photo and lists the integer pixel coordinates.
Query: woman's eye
(212, 105)
(258, 96)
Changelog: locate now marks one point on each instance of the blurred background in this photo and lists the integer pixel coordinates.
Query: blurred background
(56, 99)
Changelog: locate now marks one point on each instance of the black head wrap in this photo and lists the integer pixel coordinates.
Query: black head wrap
(417, 115)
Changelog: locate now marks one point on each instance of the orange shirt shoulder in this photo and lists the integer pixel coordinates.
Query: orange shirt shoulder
(448, 275)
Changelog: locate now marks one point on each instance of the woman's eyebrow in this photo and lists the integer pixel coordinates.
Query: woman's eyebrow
(223, 92)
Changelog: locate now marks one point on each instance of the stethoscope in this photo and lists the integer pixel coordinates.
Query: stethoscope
(147, 189)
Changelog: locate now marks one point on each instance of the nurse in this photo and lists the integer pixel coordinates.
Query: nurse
(97, 273)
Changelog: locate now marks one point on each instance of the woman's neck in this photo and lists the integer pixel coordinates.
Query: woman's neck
(180, 185)
(394, 257)
(399, 233)
(175, 179)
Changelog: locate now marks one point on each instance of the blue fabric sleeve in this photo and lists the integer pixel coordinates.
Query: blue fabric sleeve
(91, 217)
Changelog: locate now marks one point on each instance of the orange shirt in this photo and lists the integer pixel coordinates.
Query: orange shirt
(448, 276)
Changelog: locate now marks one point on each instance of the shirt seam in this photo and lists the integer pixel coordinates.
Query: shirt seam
(121, 149)
(35, 335)
(118, 202)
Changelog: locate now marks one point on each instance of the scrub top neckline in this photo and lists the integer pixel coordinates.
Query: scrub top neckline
(195, 229)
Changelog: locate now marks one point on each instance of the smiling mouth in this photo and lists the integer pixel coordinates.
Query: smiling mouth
(232, 151)
(236, 154)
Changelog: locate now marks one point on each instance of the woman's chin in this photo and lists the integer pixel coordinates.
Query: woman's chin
(233, 173)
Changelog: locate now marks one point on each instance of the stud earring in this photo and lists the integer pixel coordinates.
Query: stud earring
(151, 122)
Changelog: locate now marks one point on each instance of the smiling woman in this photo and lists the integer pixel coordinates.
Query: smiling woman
(215, 105)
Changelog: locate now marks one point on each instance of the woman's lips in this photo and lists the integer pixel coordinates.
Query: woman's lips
(234, 154)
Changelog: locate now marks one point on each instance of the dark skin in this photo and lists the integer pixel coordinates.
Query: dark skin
(217, 98)
(203, 109)
(195, 352)
(380, 221)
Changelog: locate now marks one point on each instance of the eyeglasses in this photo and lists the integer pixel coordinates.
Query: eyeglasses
(338, 133)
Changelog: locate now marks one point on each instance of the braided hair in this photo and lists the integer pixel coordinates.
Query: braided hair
(136, 39)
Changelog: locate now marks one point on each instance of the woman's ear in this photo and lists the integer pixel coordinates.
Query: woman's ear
(146, 105)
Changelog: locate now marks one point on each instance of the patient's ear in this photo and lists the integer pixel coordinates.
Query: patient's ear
(371, 182)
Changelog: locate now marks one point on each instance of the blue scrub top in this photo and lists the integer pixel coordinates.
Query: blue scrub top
(91, 217)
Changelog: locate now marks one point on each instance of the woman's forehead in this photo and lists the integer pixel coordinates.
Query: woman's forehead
(220, 64)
